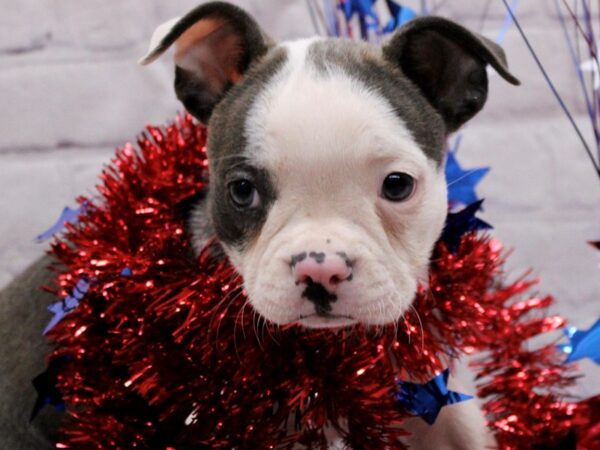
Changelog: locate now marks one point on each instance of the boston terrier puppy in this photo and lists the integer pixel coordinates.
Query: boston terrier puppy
(327, 190)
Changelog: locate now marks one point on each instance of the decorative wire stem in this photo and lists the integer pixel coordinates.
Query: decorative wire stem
(553, 89)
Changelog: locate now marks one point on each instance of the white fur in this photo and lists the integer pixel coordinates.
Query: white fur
(159, 34)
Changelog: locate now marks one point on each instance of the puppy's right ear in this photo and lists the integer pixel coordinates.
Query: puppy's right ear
(215, 44)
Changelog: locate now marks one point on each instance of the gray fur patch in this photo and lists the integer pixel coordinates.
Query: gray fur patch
(297, 258)
(318, 257)
(23, 316)
(226, 150)
(366, 64)
(346, 259)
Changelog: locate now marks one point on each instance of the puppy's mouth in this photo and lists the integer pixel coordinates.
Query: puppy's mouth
(326, 320)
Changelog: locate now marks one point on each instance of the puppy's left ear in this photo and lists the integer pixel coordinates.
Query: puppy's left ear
(214, 46)
(448, 64)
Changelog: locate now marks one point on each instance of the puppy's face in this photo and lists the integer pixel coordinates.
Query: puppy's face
(327, 187)
(326, 203)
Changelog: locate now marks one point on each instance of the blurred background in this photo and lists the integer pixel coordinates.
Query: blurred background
(71, 91)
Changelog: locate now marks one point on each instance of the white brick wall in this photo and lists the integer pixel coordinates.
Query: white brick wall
(70, 91)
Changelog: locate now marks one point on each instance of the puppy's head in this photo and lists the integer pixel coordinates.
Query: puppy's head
(327, 187)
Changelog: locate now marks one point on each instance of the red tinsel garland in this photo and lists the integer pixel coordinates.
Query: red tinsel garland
(171, 355)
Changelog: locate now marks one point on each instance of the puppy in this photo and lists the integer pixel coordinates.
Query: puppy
(327, 189)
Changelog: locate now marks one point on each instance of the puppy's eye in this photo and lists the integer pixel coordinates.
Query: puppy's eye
(398, 187)
(243, 194)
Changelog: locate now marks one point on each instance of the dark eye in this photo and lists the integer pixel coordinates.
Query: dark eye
(398, 186)
(243, 194)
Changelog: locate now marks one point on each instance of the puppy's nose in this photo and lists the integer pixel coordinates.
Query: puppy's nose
(327, 269)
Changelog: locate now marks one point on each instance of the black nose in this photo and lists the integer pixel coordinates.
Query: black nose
(321, 297)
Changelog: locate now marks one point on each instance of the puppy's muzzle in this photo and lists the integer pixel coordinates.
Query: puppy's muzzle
(321, 273)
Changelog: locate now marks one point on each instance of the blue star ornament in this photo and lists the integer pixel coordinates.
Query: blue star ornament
(47, 391)
(462, 222)
(364, 8)
(461, 183)
(584, 344)
(399, 16)
(367, 15)
(426, 400)
(68, 215)
(66, 305)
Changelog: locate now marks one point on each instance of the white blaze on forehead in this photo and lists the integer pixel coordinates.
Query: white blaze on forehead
(310, 125)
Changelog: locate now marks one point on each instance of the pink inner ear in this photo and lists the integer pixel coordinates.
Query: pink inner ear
(211, 48)
(196, 33)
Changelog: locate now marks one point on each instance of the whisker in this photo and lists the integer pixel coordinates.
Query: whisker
(217, 306)
(226, 298)
(421, 326)
(256, 324)
(241, 311)
(224, 314)
(403, 316)
(390, 301)
(269, 327)
(381, 317)
(235, 332)
(246, 303)
(264, 325)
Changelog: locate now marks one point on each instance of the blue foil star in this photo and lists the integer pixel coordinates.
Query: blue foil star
(426, 400)
(66, 305)
(461, 183)
(584, 344)
(68, 215)
(400, 15)
(462, 222)
(367, 16)
(47, 392)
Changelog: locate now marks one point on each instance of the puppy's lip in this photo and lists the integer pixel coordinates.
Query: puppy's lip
(326, 321)
(327, 316)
